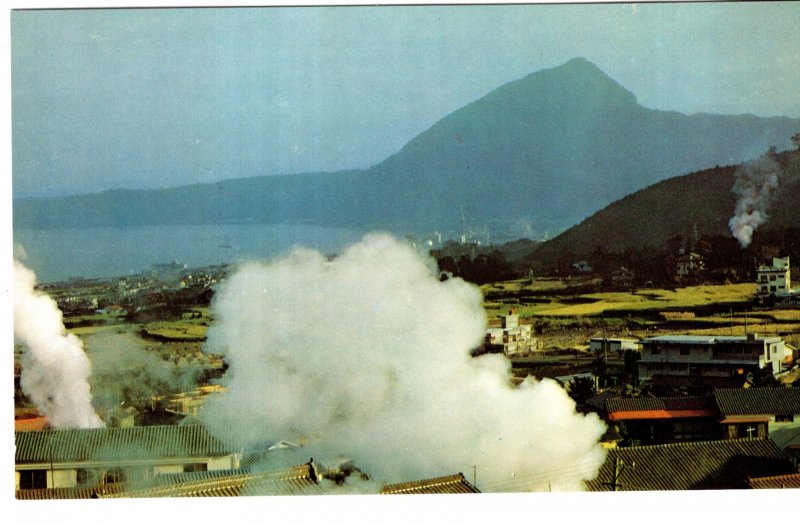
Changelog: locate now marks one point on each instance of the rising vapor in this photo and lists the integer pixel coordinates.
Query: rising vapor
(55, 369)
(755, 182)
(366, 357)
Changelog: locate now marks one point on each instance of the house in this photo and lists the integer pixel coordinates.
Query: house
(660, 420)
(82, 458)
(760, 412)
(693, 360)
(452, 484)
(512, 337)
(717, 464)
(688, 265)
(731, 413)
(774, 280)
(622, 278)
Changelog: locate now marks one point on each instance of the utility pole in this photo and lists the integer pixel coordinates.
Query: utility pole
(475, 476)
(619, 466)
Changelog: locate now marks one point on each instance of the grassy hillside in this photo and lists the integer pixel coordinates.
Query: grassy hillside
(703, 200)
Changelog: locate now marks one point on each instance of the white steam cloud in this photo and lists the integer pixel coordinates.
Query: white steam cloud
(55, 369)
(366, 357)
(753, 187)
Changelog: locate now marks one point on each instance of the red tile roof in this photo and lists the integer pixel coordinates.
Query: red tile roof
(30, 424)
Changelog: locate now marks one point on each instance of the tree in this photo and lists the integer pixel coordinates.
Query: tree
(796, 140)
(582, 388)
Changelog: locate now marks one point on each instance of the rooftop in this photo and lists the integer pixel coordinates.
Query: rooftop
(625, 408)
(791, 481)
(757, 401)
(707, 339)
(718, 464)
(117, 444)
(299, 480)
(441, 485)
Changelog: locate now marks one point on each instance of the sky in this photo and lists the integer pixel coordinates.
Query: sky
(150, 98)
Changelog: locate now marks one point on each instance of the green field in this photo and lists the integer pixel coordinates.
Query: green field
(516, 295)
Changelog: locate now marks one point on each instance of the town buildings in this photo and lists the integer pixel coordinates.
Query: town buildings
(87, 457)
(512, 337)
(725, 414)
(717, 464)
(774, 280)
(693, 360)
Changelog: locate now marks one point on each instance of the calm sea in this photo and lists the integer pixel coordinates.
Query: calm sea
(60, 254)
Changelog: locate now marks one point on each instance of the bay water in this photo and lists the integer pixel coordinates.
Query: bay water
(60, 254)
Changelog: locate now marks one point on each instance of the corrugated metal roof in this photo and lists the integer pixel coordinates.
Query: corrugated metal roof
(441, 485)
(298, 480)
(791, 481)
(68, 493)
(757, 401)
(77, 445)
(706, 339)
(719, 464)
(615, 404)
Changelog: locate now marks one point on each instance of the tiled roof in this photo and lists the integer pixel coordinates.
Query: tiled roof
(68, 493)
(756, 401)
(791, 481)
(30, 424)
(299, 480)
(77, 445)
(441, 485)
(718, 464)
(616, 404)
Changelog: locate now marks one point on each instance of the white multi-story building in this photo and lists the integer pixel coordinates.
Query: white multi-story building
(613, 344)
(709, 360)
(515, 338)
(774, 280)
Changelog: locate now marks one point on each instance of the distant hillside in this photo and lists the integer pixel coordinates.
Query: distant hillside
(549, 149)
(703, 200)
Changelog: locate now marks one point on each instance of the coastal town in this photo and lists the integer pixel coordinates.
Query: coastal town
(698, 396)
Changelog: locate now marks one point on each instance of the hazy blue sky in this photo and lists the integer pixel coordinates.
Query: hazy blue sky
(154, 98)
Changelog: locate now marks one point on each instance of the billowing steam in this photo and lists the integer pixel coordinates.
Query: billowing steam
(754, 184)
(125, 374)
(55, 370)
(366, 357)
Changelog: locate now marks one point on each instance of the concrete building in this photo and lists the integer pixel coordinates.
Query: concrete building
(774, 280)
(613, 344)
(685, 360)
(513, 337)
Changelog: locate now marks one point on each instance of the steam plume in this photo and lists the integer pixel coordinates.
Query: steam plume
(55, 370)
(754, 184)
(367, 357)
(124, 373)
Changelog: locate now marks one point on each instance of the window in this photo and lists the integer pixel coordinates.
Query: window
(86, 477)
(113, 476)
(784, 418)
(192, 468)
(33, 479)
(655, 350)
(684, 351)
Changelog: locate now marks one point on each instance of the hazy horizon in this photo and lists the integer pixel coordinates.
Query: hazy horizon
(151, 98)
